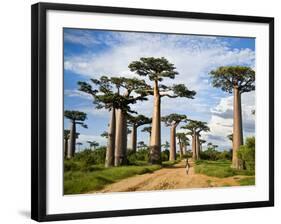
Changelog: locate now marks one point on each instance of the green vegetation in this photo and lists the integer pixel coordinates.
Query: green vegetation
(246, 154)
(76, 182)
(212, 154)
(247, 181)
(220, 168)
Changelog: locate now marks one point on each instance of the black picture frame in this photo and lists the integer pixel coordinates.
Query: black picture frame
(39, 122)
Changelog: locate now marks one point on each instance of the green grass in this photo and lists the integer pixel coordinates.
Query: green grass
(169, 163)
(220, 168)
(76, 182)
(247, 181)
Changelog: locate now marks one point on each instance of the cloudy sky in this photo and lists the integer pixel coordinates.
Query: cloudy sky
(93, 53)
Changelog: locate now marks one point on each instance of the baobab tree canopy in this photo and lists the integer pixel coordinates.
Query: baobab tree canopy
(173, 119)
(75, 115)
(155, 68)
(228, 77)
(138, 120)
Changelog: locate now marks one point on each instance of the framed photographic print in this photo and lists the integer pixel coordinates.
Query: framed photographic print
(139, 111)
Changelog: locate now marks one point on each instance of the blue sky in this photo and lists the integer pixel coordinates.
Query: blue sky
(93, 53)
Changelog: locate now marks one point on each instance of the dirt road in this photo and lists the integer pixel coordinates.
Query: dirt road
(174, 177)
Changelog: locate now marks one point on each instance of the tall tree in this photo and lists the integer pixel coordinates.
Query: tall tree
(135, 122)
(105, 95)
(157, 69)
(195, 128)
(173, 121)
(75, 117)
(148, 130)
(115, 94)
(183, 141)
(132, 91)
(65, 139)
(236, 80)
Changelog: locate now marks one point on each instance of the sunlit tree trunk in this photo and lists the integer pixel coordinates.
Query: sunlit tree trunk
(109, 160)
(181, 150)
(237, 127)
(134, 138)
(120, 141)
(155, 141)
(193, 146)
(124, 137)
(197, 147)
(173, 143)
(72, 140)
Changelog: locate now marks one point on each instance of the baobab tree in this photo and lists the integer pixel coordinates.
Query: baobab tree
(115, 94)
(166, 146)
(132, 89)
(173, 121)
(75, 117)
(230, 137)
(158, 69)
(236, 80)
(183, 141)
(79, 144)
(93, 144)
(135, 122)
(141, 145)
(65, 139)
(148, 130)
(195, 128)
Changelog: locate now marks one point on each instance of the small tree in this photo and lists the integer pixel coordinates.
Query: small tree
(93, 144)
(173, 121)
(236, 80)
(166, 146)
(75, 117)
(158, 69)
(135, 122)
(79, 144)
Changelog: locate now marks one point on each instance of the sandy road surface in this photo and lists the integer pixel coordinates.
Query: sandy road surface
(174, 177)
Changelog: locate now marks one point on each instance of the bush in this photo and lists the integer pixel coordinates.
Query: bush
(212, 154)
(165, 155)
(246, 153)
(139, 157)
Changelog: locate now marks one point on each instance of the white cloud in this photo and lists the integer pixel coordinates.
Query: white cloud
(77, 93)
(193, 57)
(84, 138)
(221, 122)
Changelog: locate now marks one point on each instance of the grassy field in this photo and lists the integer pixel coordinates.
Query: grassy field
(220, 168)
(81, 178)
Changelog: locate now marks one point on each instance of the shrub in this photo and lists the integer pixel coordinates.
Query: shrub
(165, 155)
(139, 157)
(246, 153)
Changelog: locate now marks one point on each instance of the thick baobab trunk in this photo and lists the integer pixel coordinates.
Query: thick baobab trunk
(193, 146)
(237, 127)
(124, 137)
(120, 140)
(109, 160)
(155, 140)
(197, 147)
(134, 138)
(72, 140)
(181, 149)
(173, 143)
(65, 147)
